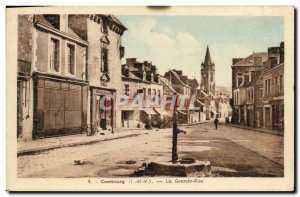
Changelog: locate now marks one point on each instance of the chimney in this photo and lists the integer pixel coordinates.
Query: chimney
(63, 23)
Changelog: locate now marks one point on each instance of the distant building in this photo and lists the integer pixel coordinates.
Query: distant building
(223, 91)
(141, 78)
(208, 75)
(176, 83)
(215, 98)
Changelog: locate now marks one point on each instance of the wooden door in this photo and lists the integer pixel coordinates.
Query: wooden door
(54, 109)
(73, 107)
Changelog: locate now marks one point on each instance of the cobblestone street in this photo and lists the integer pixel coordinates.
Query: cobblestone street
(232, 151)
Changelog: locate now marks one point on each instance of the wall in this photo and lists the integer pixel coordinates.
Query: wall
(42, 55)
(25, 33)
(25, 56)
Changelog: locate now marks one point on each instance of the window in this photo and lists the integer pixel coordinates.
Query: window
(257, 60)
(144, 90)
(126, 89)
(273, 61)
(71, 58)
(54, 55)
(104, 60)
(269, 86)
(281, 83)
(247, 94)
(154, 92)
(261, 93)
(276, 86)
(149, 92)
(126, 71)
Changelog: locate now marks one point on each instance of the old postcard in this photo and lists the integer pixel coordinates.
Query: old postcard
(150, 99)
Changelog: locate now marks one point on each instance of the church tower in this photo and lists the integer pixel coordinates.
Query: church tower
(208, 75)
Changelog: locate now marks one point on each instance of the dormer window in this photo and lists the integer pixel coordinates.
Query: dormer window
(53, 19)
(258, 60)
(126, 71)
(273, 61)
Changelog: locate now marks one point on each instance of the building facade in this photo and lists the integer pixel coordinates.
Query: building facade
(273, 89)
(56, 95)
(176, 83)
(258, 89)
(244, 73)
(105, 50)
(207, 86)
(65, 65)
(141, 79)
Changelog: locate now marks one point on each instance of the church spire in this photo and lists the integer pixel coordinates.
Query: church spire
(207, 60)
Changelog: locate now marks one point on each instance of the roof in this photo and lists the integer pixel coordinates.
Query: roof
(207, 59)
(249, 61)
(116, 20)
(41, 18)
(165, 82)
(177, 76)
(132, 76)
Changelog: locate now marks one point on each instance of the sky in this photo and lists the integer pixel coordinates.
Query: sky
(179, 42)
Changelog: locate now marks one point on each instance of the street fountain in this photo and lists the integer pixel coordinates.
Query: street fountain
(185, 167)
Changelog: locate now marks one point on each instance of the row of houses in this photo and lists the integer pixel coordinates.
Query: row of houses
(258, 89)
(68, 64)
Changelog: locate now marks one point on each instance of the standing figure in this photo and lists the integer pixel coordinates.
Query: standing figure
(216, 122)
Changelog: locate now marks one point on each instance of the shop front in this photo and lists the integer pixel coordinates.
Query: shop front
(59, 106)
(102, 108)
(277, 115)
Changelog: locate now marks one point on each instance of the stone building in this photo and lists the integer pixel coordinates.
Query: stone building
(141, 79)
(24, 80)
(273, 89)
(244, 73)
(65, 65)
(176, 83)
(258, 89)
(52, 86)
(105, 50)
(208, 74)
(206, 93)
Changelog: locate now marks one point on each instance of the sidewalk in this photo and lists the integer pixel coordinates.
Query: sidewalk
(255, 129)
(40, 145)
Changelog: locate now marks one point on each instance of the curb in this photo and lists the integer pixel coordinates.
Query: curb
(253, 129)
(43, 149)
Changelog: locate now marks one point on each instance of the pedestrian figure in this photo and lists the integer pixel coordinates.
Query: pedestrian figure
(216, 122)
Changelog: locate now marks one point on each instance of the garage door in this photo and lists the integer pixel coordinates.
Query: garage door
(61, 107)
